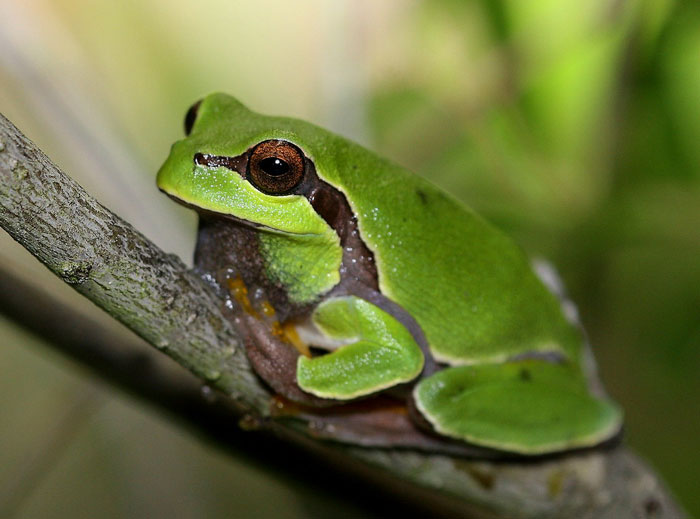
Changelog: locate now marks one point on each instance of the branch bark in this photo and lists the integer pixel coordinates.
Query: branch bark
(153, 294)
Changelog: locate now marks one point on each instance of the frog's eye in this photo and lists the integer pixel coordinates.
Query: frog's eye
(276, 167)
(191, 117)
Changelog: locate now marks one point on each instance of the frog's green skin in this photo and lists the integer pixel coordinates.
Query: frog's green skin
(404, 283)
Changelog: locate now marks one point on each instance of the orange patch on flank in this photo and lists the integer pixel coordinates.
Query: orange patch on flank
(292, 336)
(278, 331)
(285, 332)
(239, 292)
(267, 309)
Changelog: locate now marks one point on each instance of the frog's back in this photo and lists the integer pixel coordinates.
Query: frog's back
(470, 287)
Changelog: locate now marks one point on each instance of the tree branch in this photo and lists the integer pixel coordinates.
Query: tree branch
(153, 294)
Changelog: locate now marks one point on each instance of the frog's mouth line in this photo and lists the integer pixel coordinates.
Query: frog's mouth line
(240, 221)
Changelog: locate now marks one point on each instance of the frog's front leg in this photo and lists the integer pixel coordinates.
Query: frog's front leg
(272, 347)
(372, 351)
(274, 357)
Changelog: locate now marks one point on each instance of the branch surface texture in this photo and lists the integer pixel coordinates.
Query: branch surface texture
(152, 293)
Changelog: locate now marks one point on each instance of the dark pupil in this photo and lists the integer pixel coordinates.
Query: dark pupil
(274, 166)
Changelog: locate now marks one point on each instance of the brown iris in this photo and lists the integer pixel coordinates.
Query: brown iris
(276, 167)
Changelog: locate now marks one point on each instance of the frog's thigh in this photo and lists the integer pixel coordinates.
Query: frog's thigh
(379, 351)
(528, 407)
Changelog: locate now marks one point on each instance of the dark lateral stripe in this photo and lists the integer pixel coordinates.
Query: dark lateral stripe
(217, 161)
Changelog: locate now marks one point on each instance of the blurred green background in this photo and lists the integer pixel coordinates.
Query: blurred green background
(574, 126)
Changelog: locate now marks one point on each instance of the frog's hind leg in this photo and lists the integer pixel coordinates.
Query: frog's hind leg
(528, 406)
(275, 359)
(272, 347)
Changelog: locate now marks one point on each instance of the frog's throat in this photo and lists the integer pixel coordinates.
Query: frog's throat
(357, 262)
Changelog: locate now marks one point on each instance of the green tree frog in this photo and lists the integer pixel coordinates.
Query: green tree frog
(373, 299)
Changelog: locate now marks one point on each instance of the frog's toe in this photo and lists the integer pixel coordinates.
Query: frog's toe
(527, 407)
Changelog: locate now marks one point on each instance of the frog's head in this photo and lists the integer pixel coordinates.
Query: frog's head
(254, 168)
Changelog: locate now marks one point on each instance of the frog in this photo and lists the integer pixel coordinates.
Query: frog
(376, 302)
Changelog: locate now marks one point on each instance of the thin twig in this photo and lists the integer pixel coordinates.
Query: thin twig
(152, 293)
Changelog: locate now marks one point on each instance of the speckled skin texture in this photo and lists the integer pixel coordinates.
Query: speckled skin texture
(471, 290)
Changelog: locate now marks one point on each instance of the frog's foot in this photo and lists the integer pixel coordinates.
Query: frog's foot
(530, 407)
(380, 421)
(374, 351)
